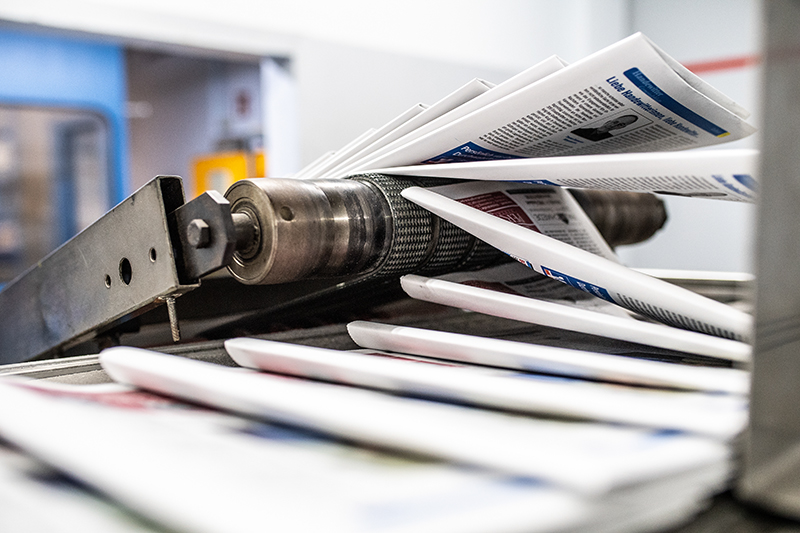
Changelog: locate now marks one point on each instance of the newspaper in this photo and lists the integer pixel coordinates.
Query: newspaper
(515, 278)
(195, 470)
(523, 79)
(326, 159)
(547, 210)
(588, 458)
(547, 359)
(316, 167)
(35, 498)
(401, 121)
(410, 120)
(713, 415)
(454, 100)
(521, 298)
(605, 279)
(628, 97)
(714, 174)
(332, 158)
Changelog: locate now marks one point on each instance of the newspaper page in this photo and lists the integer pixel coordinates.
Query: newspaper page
(516, 278)
(523, 79)
(605, 279)
(319, 161)
(527, 299)
(628, 97)
(716, 174)
(713, 415)
(457, 98)
(310, 169)
(668, 505)
(588, 458)
(547, 210)
(315, 169)
(214, 472)
(195, 470)
(547, 359)
(35, 498)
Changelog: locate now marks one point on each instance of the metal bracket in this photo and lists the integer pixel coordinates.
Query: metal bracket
(206, 233)
(119, 267)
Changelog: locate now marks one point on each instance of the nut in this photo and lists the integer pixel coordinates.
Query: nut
(198, 234)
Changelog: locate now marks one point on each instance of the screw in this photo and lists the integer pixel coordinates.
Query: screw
(198, 234)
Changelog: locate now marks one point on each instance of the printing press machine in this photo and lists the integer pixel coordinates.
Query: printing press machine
(162, 286)
(126, 282)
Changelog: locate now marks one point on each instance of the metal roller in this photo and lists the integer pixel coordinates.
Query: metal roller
(289, 230)
(327, 228)
(267, 231)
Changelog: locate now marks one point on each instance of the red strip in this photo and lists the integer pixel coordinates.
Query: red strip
(723, 64)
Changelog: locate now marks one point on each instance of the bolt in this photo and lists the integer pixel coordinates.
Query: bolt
(198, 234)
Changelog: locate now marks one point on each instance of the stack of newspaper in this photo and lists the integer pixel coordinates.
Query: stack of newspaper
(616, 120)
(429, 431)
(380, 442)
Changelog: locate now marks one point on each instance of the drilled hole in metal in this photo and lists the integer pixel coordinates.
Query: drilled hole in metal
(125, 271)
(286, 213)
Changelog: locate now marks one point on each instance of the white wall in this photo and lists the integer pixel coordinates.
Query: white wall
(508, 34)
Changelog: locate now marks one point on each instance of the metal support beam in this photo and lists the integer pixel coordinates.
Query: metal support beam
(120, 266)
(771, 475)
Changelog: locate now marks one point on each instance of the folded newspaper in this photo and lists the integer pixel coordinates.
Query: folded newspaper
(350, 156)
(185, 468)
(508, 293)
(581, 269)
(195, 470)
(628, 97)
(715, 174)
(612, 121)
(35, 497)
(584, 457)
(710, 414)
(552, 360)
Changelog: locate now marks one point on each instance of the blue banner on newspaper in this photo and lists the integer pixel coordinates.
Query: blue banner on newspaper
(591, 288)
(656, 93)
(539, 182)
(469, 152)
(747, 180)
(741, 179)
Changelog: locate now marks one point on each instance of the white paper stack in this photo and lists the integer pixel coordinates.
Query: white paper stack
(190, 469)
(547, 359)
(35, 497)
(714, 415)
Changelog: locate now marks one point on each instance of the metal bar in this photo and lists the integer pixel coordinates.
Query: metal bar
(120, 266)
(771, 475)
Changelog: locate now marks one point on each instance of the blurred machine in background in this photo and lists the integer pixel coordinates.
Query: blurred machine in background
(62, 142)
(54, 180)
(217, 172)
